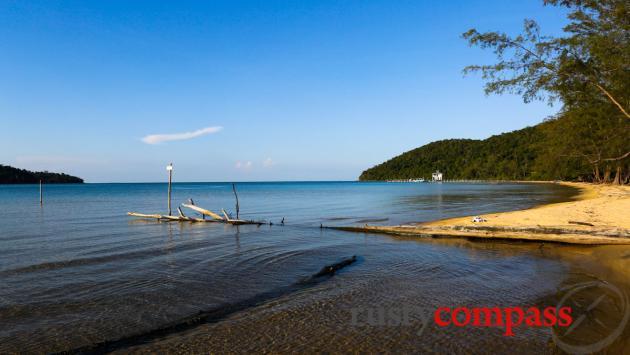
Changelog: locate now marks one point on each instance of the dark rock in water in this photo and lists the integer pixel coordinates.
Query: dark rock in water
(331, 269)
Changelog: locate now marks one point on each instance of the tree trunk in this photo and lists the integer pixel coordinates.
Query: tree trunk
(617, 180)
(606, 175)
(597, 179)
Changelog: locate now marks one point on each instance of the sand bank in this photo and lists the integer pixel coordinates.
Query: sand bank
(599, 215)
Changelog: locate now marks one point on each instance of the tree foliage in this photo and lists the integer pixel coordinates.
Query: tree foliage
(11, 175)
(593, 57)
(532, 153)
(586, 71)
(507, 156)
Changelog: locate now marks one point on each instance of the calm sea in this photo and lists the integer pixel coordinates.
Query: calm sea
(78, 272)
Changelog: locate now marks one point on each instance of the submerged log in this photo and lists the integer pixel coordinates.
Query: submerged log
(143, 215)
(239, 221)
(188, 219)
(191, 219)
(204, 212)
(168, 218)
(331, 269)
(242, 221)
(173, 218)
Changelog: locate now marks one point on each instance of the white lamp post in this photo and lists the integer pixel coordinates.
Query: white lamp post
(169, 168)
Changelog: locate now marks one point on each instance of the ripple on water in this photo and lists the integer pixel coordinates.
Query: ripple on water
(71, 279)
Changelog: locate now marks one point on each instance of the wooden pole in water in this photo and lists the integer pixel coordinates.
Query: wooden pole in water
(235, 195)
(41, 195)
(170, 179)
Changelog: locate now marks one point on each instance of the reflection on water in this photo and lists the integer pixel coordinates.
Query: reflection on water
(79, 272)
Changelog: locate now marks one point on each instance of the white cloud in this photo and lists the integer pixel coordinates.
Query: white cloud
(159, 138)
(244, 165)
(268, 163)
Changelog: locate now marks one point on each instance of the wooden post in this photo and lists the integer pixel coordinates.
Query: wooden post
(235, 195)
(41, 195)
(170, 179)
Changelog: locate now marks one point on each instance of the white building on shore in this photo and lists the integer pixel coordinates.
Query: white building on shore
(436, 176)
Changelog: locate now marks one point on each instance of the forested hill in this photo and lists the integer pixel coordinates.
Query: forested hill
(11, 175)
(517, 155)
(585, 69)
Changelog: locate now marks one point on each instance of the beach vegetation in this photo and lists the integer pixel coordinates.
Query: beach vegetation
(586, 72)
(11, 175)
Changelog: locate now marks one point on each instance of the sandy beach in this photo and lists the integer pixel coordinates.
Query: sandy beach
(599, 215)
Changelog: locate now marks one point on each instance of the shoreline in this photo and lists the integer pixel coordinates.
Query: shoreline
(595, 217)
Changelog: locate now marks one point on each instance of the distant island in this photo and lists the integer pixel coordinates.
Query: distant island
(11, 175)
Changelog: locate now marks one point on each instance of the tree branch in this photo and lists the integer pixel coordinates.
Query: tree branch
(618, 158)
(612, 99)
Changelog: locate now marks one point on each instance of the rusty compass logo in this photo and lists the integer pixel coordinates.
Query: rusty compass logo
(600, 314)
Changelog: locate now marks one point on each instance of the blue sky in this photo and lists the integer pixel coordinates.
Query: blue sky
(286, 90)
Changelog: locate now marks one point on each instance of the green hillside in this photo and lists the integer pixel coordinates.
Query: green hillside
(517, 155)
(11, 175)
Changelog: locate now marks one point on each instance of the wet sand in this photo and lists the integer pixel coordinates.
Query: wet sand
(319, 319)
(598, 216)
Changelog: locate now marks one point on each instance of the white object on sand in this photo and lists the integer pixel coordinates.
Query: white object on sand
(477, 219)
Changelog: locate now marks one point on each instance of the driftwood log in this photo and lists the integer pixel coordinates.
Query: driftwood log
(180, 218)
(239, 221)
(204, 212)
(183, 218)
(329, 270)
